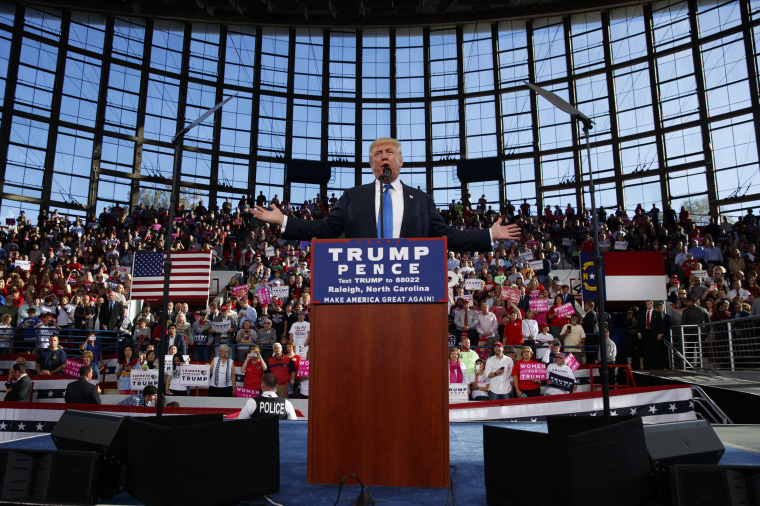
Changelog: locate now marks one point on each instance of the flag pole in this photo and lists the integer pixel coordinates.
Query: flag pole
(574, 113)
(173, 204)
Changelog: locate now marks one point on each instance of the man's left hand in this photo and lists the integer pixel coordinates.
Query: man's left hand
(501, 232)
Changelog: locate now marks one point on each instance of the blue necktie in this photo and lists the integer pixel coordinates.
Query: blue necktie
(387, 213)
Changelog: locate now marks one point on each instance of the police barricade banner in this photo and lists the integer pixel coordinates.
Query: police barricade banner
(194, 375)
(246, 392)
(457, 392)
(72, 368)
(139, 379)
(532, 370)
(395, 271)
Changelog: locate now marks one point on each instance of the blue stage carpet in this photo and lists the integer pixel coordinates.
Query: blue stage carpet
(466, 453)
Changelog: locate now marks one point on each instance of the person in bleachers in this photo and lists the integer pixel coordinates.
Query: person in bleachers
(465, 321)
(283, 368)
(499, 372)
(457, 369)
(52, 359)
(525, 388)
(19, 385)
(560, 379)
(479, 382)
(572, 336)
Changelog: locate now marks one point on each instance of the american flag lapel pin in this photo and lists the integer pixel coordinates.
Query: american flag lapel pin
(411, 196)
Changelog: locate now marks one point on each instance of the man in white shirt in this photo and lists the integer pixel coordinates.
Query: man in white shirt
(488, 325)
(499, 372)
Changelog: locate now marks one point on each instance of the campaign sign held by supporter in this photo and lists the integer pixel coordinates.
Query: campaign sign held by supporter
(169, 362)
(525, 256)
(282, 292)
(536, 265)
(269, 251)
(220, 326)
(194, 375)
(539, 305)
(699, 274)
(532, 370)
(371, 271)
(572, 362)
(72, 368)
(139, 379)
(561, 382)
(512, 294)
(240, 291)
(265, 296)
(566, 310)
(457, 393)
(472, 284)
(303, 369)
(621, 245)
(25, 265)
(246, 392)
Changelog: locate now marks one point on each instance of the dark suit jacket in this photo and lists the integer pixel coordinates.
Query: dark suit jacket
(354, 217)
(113, 318)
(82, 391)
(656, 325)
(21, 390)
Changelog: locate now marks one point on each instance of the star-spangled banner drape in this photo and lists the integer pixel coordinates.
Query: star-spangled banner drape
(190, 276)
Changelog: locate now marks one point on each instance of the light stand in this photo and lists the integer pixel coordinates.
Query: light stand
(562, 105)
(173, 204)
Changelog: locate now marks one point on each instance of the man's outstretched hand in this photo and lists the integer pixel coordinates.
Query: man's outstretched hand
(273, 216)
(502, 232)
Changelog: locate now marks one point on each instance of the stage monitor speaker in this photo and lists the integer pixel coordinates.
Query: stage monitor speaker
(590, 467)
(101, 433)
(51, 477)
(234, 460)
(698, 485)
(691, 442)
(568, 425)
(307, 171)
(480, 169)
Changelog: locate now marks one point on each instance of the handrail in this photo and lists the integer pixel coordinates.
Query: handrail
(711, 409)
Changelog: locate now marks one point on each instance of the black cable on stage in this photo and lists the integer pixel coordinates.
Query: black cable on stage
(363, 499)
(452, 493)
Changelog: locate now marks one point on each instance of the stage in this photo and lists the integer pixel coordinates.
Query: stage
(466, 453)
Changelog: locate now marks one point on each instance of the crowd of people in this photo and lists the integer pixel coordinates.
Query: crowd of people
(70, 278)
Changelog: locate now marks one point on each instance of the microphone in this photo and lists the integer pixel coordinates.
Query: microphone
(387, 172)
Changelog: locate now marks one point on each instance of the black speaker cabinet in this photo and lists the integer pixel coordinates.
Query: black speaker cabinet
(692, 442)
(202, 463)
(703, 485)
(101, 433)
(49, 477)
(589, 467)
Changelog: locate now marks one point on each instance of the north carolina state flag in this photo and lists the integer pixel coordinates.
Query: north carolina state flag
(634, 275)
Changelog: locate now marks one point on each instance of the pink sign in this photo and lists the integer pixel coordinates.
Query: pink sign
(532, 370)
(156, 226)
(566, 310)
(72, 368)
(265, 296)
(303, 369)
(512, 294)
(237, 221)
(246, 392)
(240, 291)
(532, 244)
(539, 305)
(572, 362)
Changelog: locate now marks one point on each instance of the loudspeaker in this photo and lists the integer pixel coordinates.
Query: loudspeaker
(202, 463)
(696, 485)
(692, 442)
(568, 425)
(589, 467)
(96, 432)
(55, 477)
(479, 169)
(307, 171)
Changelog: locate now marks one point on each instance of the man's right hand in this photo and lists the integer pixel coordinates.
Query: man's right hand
(273, 216)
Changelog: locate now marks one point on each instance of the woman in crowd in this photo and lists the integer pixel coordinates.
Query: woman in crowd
(245, 336)
(87, 357)
(222, 381)
(457, 369)
(479, 382)
(559, 377)
(173, 386)
(525, 388)
(556, 322)
(253, 368)
(150, 361)
(127, 362)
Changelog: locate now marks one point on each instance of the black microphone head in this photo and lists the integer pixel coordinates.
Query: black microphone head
(387, 171)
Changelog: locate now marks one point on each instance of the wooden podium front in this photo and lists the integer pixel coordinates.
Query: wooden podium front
(378, 403)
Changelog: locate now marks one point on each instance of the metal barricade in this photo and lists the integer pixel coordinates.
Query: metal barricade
(725, 345)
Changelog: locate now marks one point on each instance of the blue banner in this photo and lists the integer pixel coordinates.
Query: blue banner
(588, 276)
(379, 271)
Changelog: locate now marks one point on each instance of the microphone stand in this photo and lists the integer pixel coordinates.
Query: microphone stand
(386, 173)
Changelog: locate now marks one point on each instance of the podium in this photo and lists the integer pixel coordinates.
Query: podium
(378, 403)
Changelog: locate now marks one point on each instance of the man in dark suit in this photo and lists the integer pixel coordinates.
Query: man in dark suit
(82, 391)
(19, 388)
(412, 212)
(651, 332)
(111, 313)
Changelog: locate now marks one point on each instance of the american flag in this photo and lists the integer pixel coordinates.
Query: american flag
(190, 276)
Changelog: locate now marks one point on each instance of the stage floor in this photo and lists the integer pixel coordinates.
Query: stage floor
(466, 453)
